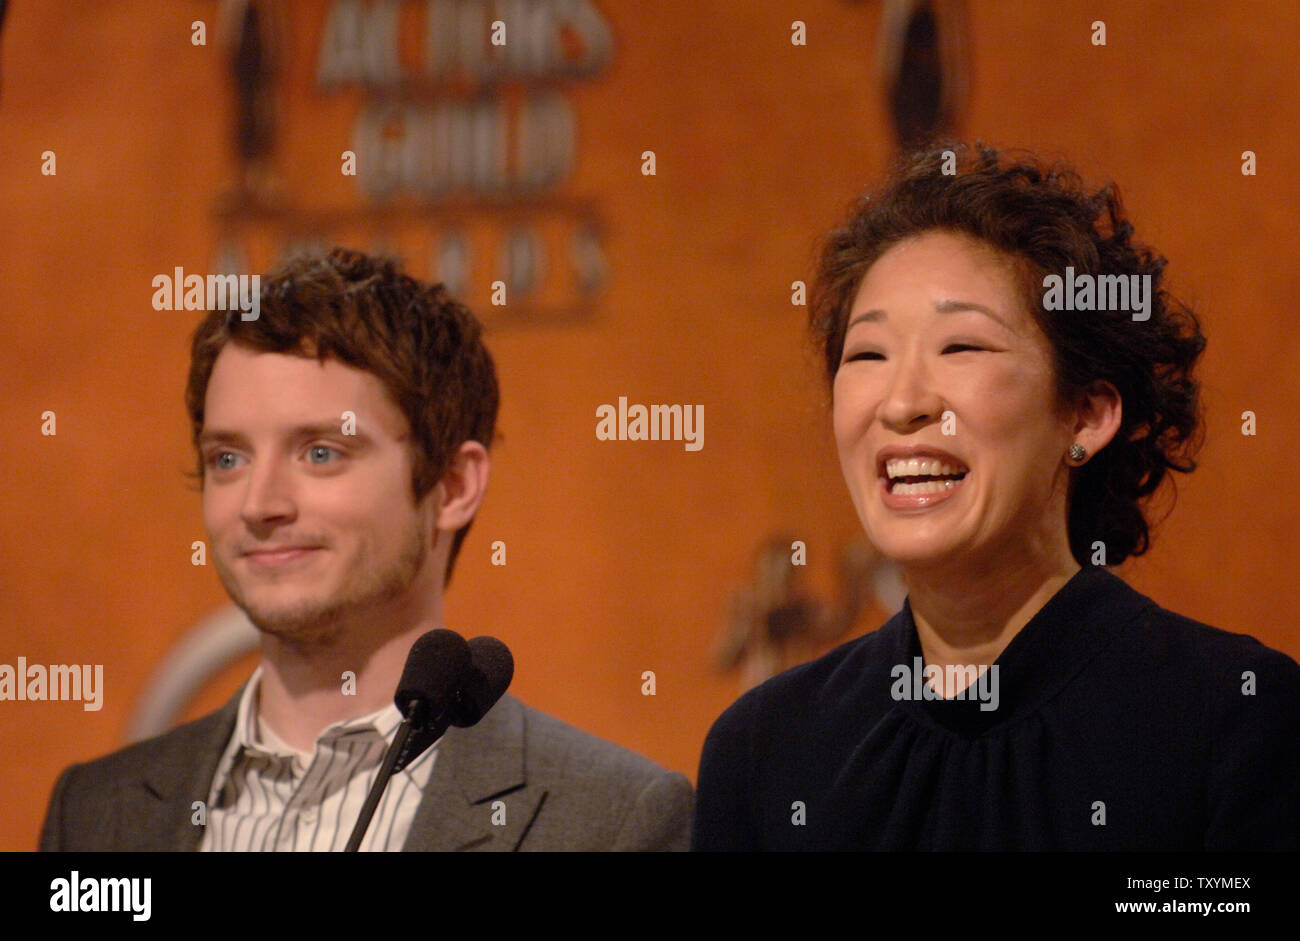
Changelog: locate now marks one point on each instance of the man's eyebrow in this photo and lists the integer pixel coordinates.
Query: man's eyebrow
(298, 432)
(876, 315)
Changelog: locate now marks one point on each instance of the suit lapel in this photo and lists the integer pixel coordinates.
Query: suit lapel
(163, 809)
(475, 768)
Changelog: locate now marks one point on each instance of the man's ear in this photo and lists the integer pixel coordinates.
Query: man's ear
(460, 491)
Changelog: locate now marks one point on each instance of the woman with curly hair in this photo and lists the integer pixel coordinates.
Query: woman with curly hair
(999, 444)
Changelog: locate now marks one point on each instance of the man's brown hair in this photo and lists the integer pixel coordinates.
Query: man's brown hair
(424, 347)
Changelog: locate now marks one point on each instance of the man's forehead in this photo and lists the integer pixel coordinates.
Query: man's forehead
(295, 393)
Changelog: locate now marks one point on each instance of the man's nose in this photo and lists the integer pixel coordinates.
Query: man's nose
(269, 494)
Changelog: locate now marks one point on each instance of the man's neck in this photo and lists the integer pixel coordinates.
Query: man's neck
(304, 690)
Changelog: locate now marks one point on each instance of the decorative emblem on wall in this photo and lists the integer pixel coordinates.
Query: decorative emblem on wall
(250, 39)
(4, 6)
(778, 622)
(923, 68)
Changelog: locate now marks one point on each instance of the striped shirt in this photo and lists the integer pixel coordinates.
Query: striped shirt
(266, 796)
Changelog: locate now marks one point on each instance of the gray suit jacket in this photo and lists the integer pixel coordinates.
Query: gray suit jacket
(564, 790)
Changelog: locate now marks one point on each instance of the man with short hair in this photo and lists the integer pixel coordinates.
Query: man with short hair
(342, 440)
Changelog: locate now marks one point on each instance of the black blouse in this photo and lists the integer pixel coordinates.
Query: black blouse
(1118, 725)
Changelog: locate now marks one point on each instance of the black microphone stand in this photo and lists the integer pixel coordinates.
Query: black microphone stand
(413, 736)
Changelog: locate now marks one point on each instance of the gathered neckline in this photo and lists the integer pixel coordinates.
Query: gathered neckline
(1072, 628)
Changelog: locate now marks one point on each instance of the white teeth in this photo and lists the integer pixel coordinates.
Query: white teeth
(929, 486)
(922, 467)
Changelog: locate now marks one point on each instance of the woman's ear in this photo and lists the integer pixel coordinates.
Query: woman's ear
(1098, 415)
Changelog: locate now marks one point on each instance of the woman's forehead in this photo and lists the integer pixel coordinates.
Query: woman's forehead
(950, 274)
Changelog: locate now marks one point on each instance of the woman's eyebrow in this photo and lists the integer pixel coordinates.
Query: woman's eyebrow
(876, 315)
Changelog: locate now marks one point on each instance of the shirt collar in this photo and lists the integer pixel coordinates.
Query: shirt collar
(246, 737)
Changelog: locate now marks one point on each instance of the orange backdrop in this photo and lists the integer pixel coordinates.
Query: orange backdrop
(622, 557)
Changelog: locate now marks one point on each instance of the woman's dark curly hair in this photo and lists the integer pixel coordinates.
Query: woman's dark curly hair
(1044, 220)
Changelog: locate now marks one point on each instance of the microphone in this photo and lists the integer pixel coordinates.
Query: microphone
(435, 668)
(450, 682)
(445, 681)
(491, 670)
(433, 673)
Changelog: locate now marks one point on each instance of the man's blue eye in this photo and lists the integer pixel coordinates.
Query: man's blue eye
(319, 448)
(215, 460)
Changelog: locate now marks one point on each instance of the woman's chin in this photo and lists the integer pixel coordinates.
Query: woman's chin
(917, 553)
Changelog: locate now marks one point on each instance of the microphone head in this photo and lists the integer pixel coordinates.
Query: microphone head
(435, 668)
(492, 668)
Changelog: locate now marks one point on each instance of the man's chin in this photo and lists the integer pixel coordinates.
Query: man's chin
(309, 627)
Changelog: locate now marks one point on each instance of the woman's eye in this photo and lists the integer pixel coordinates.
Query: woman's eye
(958, 347)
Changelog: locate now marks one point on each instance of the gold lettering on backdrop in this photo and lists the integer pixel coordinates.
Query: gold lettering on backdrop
(477, 147)
(456, 129)
(565, 39)
(479, 118)
(463, 139)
